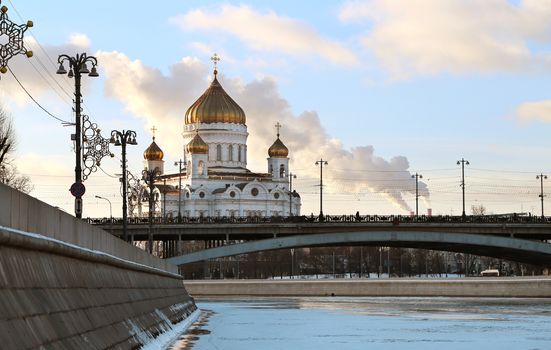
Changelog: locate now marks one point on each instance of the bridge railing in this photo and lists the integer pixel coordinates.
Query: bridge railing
(391, 219)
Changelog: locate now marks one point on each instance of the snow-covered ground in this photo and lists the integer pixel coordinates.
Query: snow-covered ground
(376, 323)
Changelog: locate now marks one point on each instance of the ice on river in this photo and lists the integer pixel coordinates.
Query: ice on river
(376, 323)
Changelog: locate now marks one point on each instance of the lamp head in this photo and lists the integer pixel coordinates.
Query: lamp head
(71, 74)
(83, 69)
(61, 69)
(93, 72)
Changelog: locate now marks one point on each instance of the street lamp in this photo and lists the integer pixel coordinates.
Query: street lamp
(77, 67)
(417, 177)
(110, 207)
(321, 163)
(118, 138)
(149, 177)
(180, 168)
(463, 162)
(541, 177)
(291, 177)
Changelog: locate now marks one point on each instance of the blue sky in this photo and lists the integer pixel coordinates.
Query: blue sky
(427, 81)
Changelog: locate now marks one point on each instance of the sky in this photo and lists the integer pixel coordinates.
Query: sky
(381, 89)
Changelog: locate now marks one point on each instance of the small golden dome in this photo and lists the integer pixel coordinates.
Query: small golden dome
(197, 145)
(215, 106)
(278, 150)
(153, 152)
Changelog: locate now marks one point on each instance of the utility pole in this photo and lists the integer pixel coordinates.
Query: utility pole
(417, 177)
(291, 177)
(180, 168)
(321, 163)
(77, 67)
(541, 177)
(463, 162)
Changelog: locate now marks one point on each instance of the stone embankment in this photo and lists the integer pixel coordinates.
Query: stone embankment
(525, 287)
(67, 285)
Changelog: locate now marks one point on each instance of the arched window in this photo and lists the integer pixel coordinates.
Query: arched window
(272, 169)
(201, 168)
(282, 171)
(218, 152)
(239, 153)
(230, 152)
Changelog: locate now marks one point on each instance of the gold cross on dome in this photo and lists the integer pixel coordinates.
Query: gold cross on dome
(215, 59)
(153, 129)
(278, 126)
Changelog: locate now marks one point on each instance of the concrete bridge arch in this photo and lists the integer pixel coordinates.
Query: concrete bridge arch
(521, 250)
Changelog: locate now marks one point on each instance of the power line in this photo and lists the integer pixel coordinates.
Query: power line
(35, 101)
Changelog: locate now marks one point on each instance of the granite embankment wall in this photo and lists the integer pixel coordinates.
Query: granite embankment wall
(527, 287)
(67, 285)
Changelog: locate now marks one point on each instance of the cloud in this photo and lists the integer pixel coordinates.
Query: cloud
(267, 31)
(163, 99)
(424, 37)
(535, 111)
(37, 74)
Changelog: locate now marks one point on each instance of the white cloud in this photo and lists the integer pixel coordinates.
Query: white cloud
(162, 100)
(267, 31)
(37, 74)
(535, 111)
(455, 36)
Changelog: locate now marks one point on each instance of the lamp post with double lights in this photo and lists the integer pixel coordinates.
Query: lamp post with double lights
(291, 177)
(180, 164)
(149, 177)
(417, 177)
(77, 67)
(321, 163)
(118, 138)
(463, 162)
(541, 177)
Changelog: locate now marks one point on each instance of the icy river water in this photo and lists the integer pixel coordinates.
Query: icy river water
(371, 323)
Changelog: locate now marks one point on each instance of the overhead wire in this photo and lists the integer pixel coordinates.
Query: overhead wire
(34, 100)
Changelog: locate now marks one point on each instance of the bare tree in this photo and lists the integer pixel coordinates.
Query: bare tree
(478, 209)
(8, 172)
(7, 137)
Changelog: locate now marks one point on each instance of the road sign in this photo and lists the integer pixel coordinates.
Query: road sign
(77, 189)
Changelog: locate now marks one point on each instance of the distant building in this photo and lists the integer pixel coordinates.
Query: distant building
(215, 180)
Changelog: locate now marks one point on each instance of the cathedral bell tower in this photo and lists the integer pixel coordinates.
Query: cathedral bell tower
(153, 156)
(198, 160)
(278, 163)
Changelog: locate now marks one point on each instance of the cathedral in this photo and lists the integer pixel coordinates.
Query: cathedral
(213, 179)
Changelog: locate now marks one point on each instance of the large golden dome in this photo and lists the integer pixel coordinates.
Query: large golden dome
(153, 152)
(278, 150)
(197, 145)
(215, 106)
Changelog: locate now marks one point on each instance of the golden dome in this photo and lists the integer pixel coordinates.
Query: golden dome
(215, 106)
(278, 150)
(197, 145)
(153, 152)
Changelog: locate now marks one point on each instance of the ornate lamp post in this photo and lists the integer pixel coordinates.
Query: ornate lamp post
(321, 163)
(180, 164)
(122, 139)
(149, 177)
(77, 67)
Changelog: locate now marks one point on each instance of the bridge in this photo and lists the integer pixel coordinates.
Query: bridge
(516, 238)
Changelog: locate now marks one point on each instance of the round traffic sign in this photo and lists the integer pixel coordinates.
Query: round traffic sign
(77, 189)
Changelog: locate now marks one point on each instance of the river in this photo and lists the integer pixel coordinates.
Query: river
(371, 323)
